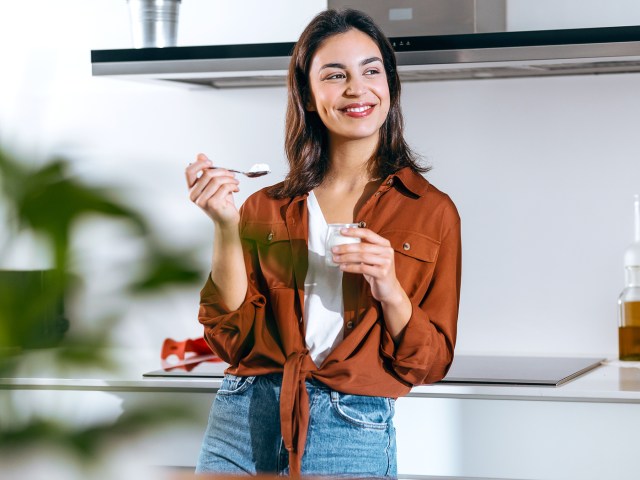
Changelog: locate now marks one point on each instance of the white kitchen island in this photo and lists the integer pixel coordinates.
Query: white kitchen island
(584, 429)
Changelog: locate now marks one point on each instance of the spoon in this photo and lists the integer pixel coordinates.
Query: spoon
(257, 170)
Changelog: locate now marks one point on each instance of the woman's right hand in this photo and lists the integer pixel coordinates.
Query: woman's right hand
(212, 190)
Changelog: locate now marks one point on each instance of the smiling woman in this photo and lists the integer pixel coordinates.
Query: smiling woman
(350, 95)
(319, 350)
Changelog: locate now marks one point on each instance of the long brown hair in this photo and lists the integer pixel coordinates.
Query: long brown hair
(306, 140)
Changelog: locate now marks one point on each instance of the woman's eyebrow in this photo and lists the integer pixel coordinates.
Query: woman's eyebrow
(370, 60)
(332, 65)
(366, 61)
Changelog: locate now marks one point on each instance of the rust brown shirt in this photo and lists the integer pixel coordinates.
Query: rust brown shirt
(265, 334)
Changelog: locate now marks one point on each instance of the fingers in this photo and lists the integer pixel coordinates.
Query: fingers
(364, 254)
(373, 271)
(212, 182)
(382, 260)
(194, 170)
(353, 250)
(378, 265)
(215, 197)
(365, 235)
(372, 256)
(374, 268)
(371, 243)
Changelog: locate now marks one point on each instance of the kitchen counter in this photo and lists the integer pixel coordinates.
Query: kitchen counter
(447, 430)
(613, 381)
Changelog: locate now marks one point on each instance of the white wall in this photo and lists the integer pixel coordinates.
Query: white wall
(542, 170)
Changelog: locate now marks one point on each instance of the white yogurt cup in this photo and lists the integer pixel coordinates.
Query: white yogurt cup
(334, 237)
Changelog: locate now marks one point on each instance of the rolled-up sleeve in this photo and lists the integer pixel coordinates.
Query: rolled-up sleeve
(424, 352)
(228, 332)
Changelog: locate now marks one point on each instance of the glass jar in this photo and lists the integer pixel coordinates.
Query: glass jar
(629, 316)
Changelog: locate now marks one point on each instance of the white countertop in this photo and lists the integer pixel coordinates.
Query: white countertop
(614, 381)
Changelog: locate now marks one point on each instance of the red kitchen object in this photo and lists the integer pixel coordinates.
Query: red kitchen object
(190, 353)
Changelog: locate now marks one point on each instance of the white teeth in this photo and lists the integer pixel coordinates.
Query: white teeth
(358, 109)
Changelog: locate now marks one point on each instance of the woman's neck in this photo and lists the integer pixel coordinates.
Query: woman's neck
(349, 163)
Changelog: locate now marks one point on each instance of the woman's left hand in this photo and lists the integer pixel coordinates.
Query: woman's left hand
(374, 258)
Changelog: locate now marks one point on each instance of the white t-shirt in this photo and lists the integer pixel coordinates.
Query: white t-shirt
(323, 302)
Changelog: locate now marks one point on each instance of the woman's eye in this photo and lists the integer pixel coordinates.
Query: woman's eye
(372, 71)
(334, 76)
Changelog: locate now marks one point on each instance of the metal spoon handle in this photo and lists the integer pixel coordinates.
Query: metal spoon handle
(247, 174)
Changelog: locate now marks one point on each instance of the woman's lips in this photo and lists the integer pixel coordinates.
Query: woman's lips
(358, 110)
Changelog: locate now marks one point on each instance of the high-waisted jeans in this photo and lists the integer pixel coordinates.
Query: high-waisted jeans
(349, 435)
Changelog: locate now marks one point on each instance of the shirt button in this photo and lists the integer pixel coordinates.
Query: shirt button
(362, 224)
(406, 246)
(349, 324)
(377, 194)
(270, 236)
(390, 181)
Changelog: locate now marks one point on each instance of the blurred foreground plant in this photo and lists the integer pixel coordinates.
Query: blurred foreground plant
(49, 203)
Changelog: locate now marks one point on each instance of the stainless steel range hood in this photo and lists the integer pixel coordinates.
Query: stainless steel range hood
(420, 58)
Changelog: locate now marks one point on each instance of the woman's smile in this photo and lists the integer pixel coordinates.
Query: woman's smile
(358, 110)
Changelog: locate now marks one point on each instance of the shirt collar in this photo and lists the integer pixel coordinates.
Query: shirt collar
(410, 180)
(413, 182)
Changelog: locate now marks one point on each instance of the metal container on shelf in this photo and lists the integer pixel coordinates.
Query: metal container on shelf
(154, 23)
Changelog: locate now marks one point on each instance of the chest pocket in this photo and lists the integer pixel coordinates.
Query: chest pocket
(274, 252)
(415, 258)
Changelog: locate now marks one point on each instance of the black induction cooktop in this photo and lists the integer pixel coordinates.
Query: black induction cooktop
(466, 369)
(511, 370)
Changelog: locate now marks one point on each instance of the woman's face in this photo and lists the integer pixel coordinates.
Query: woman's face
(349, 89)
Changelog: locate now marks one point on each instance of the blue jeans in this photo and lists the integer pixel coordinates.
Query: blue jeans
(349, 435)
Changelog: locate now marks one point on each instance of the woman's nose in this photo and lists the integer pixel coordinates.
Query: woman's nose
(355, 87)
